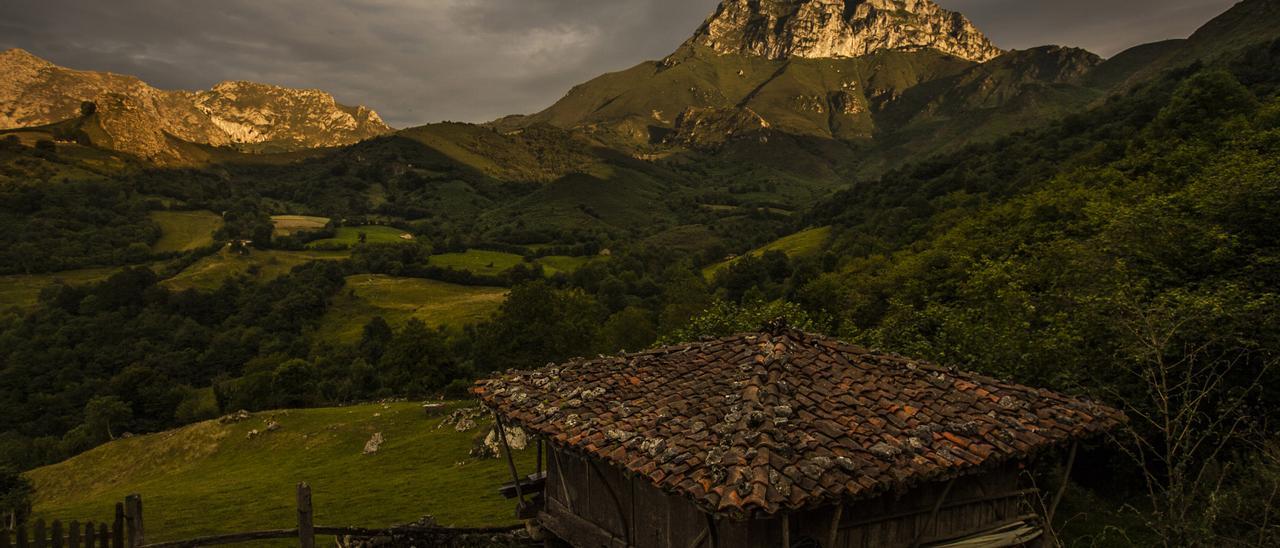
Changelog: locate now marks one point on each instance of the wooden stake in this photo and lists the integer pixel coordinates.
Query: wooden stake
(117, 529)
(55, 534)
(39, 533)
(306, 517)
(73, 535)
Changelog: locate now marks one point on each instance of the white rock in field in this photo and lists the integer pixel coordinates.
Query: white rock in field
(373, 444)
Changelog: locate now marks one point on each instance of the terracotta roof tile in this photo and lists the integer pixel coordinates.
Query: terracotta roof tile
(764, 422)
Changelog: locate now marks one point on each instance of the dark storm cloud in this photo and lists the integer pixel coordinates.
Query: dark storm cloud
(1105, 27)
(417, 61)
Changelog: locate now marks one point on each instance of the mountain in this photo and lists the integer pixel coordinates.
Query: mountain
(132, 116)
(779, 29)
(890, 80)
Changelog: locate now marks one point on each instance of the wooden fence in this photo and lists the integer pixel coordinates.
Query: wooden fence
(127, 531)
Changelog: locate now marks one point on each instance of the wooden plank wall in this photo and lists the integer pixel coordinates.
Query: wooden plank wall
(655, 519)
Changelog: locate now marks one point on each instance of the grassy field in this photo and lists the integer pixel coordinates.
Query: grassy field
(561, 264)
(800, 244)
(350, 235)
(478, 261)
(288, 224)
(211, 271)
(22, 291)
(185, 230)
(399, 299)
(493, 263)
(209, 478)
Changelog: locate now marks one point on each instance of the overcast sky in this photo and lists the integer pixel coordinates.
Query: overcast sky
(419, 61)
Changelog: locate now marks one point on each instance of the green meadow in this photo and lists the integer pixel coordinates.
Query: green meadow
(210, 478)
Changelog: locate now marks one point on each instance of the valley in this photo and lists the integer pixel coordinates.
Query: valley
(882, 174)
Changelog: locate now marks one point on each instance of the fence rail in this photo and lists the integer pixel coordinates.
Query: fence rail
(127, 531)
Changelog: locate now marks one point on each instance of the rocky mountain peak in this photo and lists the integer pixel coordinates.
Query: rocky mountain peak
(139, 119)
(778, 29)
(20, 57)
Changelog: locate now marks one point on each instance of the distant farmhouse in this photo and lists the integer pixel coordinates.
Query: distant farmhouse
(783, 438)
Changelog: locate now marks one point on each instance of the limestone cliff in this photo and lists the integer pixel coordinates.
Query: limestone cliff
(778, 29)
(140, 119)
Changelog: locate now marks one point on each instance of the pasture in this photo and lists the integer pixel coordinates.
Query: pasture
(261, 265)
(800, 244)
(287, 225)
(185, 230)
(350, 236)
(397, 300)
(211, 478)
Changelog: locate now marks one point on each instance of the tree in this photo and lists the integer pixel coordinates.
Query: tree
(104, 414)
(374, 339)
(16, 496)
(1193, 410)
(631, 329)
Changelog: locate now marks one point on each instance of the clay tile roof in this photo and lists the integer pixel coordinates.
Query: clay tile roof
(759, 423)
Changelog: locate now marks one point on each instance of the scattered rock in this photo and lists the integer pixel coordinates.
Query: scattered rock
(233, 418)
(463, 419)
(272, 425)
(252, 434)
(375, 442)
(516, 438)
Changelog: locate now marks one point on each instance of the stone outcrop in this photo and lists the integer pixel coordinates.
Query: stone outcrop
(132, 116)
(778, 29)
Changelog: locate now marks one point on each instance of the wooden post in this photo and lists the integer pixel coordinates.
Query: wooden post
(306, 518)
(104, 538)
(22, 535)
(40, 540)
(538, 469)
(1066, 478)
(73, 535)
(55, 534)
(89, 530)
(140, 532)
(712, 532)
(130, 531)
(117, 527)
(933, 515)
(786, 530)
(835, 524)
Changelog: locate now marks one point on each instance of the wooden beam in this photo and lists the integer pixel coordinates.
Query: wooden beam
(577, 531)
(713, 530)
(835, 524)
(1062, 490)
(786, 530)
(698, 540)
(511, 460)
(617, 502)
(234, 538)
(564, 489)
(952, 504)
(976, 530)
(933, 515)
